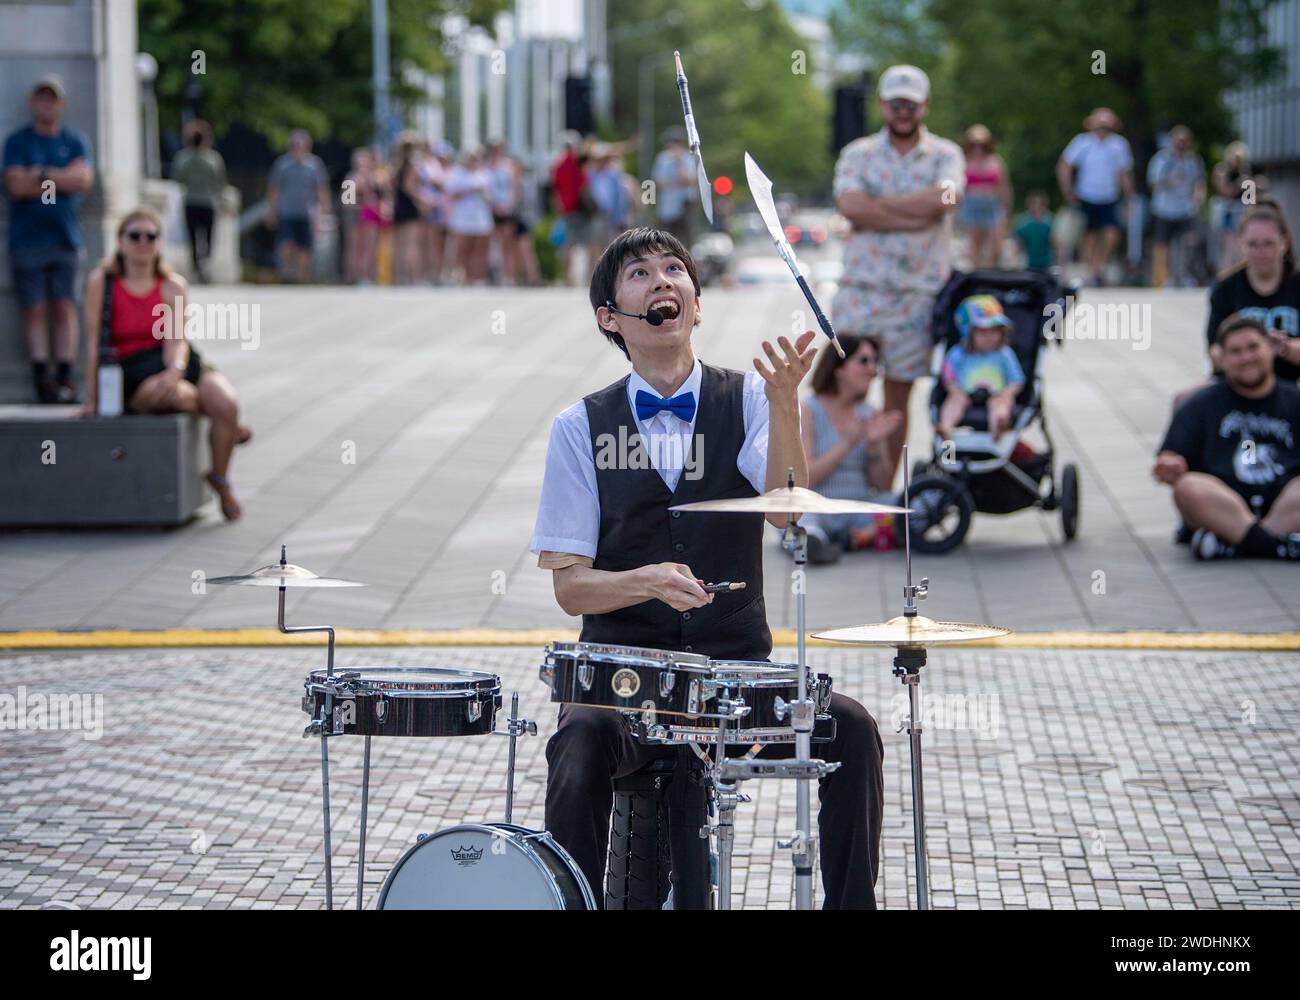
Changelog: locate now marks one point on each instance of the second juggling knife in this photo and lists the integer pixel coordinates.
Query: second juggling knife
(693, 140)
(761, 188)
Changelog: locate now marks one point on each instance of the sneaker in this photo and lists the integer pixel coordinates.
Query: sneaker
(1183, 535)
(1207, 545)
(822, 552)
(66, 392)
(47, 392)
(1291, 547)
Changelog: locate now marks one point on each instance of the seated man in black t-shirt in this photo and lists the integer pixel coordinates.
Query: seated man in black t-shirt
(1232, 455)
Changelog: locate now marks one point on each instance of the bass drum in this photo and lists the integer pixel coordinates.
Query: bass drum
(486, 866)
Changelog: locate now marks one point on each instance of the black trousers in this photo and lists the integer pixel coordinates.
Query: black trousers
(593, 746)
(198, 221)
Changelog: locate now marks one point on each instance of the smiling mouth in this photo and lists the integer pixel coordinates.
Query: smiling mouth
(668, 308)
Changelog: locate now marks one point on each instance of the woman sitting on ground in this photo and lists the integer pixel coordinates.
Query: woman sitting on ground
(161, 373)
(846, 442)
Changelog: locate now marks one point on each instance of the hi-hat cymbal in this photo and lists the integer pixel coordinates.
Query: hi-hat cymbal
(915, 631)
(283, 575)
(791, 500)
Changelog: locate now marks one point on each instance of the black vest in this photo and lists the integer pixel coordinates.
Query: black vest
(638, 529)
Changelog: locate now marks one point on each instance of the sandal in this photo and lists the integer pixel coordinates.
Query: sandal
(230, 508)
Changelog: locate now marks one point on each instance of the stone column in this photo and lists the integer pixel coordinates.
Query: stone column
(91, 44)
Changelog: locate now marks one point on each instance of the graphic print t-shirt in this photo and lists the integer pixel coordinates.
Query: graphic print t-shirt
(1253, 445)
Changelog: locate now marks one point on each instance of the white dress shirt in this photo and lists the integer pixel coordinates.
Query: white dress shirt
(568, 516)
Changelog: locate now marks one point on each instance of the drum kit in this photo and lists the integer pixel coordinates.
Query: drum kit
(674, 698)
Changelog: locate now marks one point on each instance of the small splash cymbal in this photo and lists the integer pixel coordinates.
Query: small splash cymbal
(283, 575)
(914, 631)
(791, 500)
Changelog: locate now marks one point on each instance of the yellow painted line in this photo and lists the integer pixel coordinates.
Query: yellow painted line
(163, 638)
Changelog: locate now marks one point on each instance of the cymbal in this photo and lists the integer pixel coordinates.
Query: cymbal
(283, 575)
(791, 500)
(916, 631)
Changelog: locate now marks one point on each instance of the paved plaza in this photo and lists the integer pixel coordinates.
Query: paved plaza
(1072, 780)
(400, 440)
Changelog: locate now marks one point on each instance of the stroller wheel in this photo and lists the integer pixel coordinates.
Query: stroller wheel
(941, 513)
(1070, 500)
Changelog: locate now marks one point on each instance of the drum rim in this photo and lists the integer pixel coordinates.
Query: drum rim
(640, 654)
(368, 692)
(479, 680)
(510, 831)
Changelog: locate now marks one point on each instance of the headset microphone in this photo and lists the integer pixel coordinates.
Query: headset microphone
(652, 316)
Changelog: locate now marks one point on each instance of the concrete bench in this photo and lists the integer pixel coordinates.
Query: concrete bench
(130, 470)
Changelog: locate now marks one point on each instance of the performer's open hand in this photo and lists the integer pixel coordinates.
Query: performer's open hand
(788, 368)
(676, 586)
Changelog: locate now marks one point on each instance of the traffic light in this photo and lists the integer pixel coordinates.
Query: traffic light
(577, 105)
(850, 120)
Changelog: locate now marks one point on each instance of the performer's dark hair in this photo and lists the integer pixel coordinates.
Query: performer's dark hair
(1238, 321)
(633, 243)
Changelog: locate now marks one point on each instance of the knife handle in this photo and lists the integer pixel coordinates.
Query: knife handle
(684, 90)
(822, 321)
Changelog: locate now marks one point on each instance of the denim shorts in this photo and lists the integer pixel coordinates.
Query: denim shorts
(296, 231)
(979, 211)
(44, 275)
(1099, 215)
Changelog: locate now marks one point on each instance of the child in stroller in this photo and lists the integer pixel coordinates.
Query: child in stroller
(981, 461)
(982, 370)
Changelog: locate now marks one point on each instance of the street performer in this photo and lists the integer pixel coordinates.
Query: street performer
(633, 569)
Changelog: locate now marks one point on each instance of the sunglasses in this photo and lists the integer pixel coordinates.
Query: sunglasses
(138, 235)
(901, 104)
(865, 359)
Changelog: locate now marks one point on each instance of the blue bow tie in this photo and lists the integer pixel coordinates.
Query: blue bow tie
(648, 404)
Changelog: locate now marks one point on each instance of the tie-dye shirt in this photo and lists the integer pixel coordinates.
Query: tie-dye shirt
(991, 370)
(912, 260)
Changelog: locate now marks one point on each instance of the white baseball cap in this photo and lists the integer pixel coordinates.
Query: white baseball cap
(907, 82)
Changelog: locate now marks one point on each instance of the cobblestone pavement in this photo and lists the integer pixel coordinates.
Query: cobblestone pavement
(1072, 780)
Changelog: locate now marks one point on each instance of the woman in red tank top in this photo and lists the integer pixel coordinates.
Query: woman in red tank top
(161, 373)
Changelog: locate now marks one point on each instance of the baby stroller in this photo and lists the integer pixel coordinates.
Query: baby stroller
(973, 472)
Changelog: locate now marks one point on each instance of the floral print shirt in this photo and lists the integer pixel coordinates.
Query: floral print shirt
(907, 261)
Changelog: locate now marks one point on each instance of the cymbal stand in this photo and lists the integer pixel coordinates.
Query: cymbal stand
(515, 728)
(324, 727)
(803, 715)
(908, 661)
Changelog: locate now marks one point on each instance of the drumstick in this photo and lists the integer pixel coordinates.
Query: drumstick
(721, 588)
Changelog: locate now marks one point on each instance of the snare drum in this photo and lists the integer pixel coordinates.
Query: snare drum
(404, 701)
(627, 677)
(767, 689)
(488, 866)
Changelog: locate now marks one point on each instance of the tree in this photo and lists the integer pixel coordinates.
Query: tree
(750, 86)
(275, 65)
(1031, 71)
